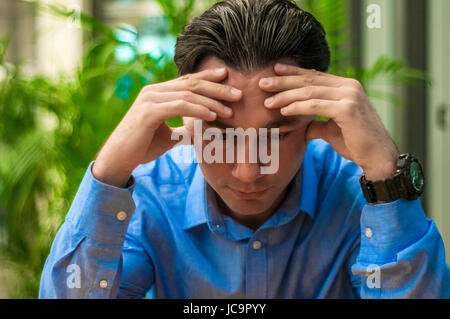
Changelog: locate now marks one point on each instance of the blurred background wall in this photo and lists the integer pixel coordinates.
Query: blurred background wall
(69, 70)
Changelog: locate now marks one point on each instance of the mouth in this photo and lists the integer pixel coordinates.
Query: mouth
(248, 195)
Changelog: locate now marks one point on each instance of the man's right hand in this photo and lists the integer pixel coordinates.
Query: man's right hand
(143, 135)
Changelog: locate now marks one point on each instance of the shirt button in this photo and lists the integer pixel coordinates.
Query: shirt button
(256, 244)
(121, 215)
(368, 232)
(103, 284)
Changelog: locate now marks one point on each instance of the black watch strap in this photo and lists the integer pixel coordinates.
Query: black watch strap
(406, 183)
(386, 191)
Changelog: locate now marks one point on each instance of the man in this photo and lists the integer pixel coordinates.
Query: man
(143, 219)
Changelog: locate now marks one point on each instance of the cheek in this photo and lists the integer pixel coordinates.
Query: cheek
(292, 150)
(290, 158)
(294, 144)
(214, 173)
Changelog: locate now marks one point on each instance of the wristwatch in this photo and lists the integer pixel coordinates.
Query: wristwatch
(408, 182)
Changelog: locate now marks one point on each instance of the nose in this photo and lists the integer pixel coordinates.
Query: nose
(247, 172)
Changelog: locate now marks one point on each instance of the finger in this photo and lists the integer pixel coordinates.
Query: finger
(330, 132)
(203, 83)
(188, 123)
(322, 129)
(213, 105)
(287, 82)
(287, 69)
(302, 94)
(171, 109)
(210, 89)
(316, 129)
(325, 108)
(213, 74)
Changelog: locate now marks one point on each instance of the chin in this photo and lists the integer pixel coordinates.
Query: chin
(247, 207)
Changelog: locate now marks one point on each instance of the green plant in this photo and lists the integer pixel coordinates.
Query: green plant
(333, 15)
(51, 129)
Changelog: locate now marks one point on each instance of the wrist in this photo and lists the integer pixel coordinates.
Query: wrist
(380, 174)
(110, 176)
(385, 169)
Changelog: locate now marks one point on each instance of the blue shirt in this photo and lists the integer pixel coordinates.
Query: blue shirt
(165, 234)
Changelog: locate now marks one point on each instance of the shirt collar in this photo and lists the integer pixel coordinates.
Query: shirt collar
(301, 197)
(195, 212)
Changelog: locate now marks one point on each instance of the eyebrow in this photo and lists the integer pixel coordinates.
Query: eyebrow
(284, 122)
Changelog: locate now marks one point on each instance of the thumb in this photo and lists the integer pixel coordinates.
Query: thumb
(316, 129)
(331, 133)
(189, 124)
(182, 133)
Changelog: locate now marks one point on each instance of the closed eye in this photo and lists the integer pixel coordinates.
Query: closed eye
(280, 136)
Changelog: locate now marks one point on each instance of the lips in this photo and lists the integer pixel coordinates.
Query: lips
(247, 194)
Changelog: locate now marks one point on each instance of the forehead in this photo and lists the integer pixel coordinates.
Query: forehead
(236, 78)
(250, 110)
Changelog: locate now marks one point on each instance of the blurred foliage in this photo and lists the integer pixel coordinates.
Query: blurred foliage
(333, 15)
(52, 127)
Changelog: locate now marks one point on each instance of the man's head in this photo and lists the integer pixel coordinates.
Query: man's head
(249, 37)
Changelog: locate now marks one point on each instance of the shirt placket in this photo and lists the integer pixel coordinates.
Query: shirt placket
(256, 268)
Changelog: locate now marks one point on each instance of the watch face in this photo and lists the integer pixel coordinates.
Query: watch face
(416, 176)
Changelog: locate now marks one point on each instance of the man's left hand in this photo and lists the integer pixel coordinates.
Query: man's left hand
(354, 129)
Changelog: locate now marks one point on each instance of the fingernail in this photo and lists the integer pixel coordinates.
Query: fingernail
(235, 91)
(266, 81)
(227, 110)
(213, 114)
(281, 67)
(220, 71)
(269, 101)
(284, 110)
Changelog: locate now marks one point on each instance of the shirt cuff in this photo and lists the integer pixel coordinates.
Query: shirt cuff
(101, 211)
(387, 229)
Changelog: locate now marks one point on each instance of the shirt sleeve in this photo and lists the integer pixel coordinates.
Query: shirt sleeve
(86, 257)
(401, 253)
